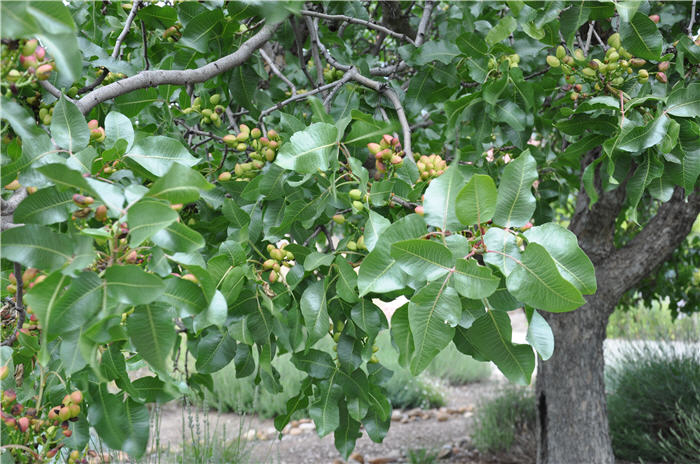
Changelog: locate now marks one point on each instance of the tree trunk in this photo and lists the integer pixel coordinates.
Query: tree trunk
(571, 405)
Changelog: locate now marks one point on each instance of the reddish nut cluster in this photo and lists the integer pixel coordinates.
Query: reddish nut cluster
(430, 167)
(387, 152)
(278, 256)
(173, 34)
(30, 278)
(211, 115)
(97, 133)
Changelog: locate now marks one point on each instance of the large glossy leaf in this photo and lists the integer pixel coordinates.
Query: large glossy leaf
(648, 170)
(476, 202)
(433, 313)
(118, 127)
(562, 246)
(318, 364)
(368, 317)
(152, 332)
(131, 285)
(122, 425)
(474, 281)
(646, 136)
(516, 204)
(491, 335)
(502, 247)
(147, 217)
(46, 206)
(324, 409)
(37, 246)
(536, 281)
(310, 150)
(374, 227)
(425, 258)
(441, 199)
(540, 336)
(346, 434)
(684, 102)
(179, 185)
(503, 28)
(157, 154)
(346, 284)
(214, 352)
(641, 37)
(401, 335)
(179, 238)
(314, 309)
(68, 127)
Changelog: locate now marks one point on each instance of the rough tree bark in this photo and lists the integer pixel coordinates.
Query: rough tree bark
(571, 403)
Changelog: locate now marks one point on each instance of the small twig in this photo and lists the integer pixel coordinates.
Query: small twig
(8, 207)
(313, 235)
(50, 88)
(94, 83)
(23, 448)
(300, 50)
(302, 96)
(19, 307)
(600, 41)
(145, 44)
(535, 74)
(312, 26)
(405, 203)
(275, 70)
(125, 31)
(362, 22)
(328, 237)
(692, 20)
(591, 26)
(329, 99)
(424, 21)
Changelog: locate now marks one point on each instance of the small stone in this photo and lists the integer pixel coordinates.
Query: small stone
(445, 452)
(415, 412)
(296, 431)
(306, 426)
(468, 414)
(250, 435)
(442, 416)
(295, 423)
(338, 461)
(405, 419)
(383, 460)
(396, 415)
(357, 457)
(306, 420)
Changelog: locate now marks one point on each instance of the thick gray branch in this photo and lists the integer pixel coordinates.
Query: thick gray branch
(154, 78)
(654, 244)
(424, 21)
(362, 22)
(8, 207)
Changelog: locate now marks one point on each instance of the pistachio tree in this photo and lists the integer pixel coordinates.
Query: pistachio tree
(193, 184)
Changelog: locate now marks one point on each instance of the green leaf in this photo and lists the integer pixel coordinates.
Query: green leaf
(45, 206)
(315, 260)
(536, 281)
(152, 332)
(571, 261)
(501, 30)
(310, 150)
(184, 295)
(179, 185)
(367, 129)
(214, 352)
(441, 199)
(346, 284)
(157, 154)
(502, 245)
(643, 137)
(646, 172)
(131, 285)
(426, 258)
(368, 317)
(491, 335)
(476, 202)
(572, 19)
(122, 425)
(118, 127)
(641, 37)
(37, 246)
(432, 314)
(177, 237)
(401, 335)
(324, 410)
(474, 281)
(441, 50)
(197, 34)
(684, 102)
(314, 309)
(318, 364)
(375, 225)
(540, 336)
(346, 434)
(132, 103)
(243, 84)
(516, 204)
(146, 217)
(68, 126)
(65, 51)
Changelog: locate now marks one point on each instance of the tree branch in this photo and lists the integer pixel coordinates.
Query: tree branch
(275, 70)
(654, 244)
(19, 306)
(313, 26)
(424, 21)
(50, 88)
(692, 20)
(125, 31)
(303, 96)
(154, 78)
(362, 22)
(145, 45)
(8, 207)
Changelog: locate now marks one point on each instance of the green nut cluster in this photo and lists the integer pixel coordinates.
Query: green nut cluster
(618, 66)
(278, 257)
(512, 60)
(331, 74)
(173, 34)
(353, 245)
(430, 167)
(211, 113)
(387, 152)
(260, 150)
(45, 114)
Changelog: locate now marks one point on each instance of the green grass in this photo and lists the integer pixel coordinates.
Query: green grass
(507, 420)
(655, 323)
(654, 403)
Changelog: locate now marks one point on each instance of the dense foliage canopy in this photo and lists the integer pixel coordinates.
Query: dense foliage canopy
(193, 184)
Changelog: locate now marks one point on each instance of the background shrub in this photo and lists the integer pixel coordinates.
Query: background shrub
(652, 323)
(654, 402)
